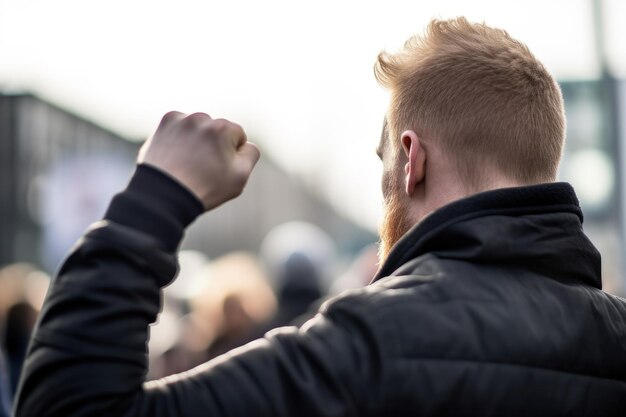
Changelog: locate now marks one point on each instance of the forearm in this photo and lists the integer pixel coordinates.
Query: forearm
(88, 354)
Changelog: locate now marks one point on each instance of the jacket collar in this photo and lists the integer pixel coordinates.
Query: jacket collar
(538, 226)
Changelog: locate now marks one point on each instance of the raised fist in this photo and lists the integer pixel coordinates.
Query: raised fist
(212, 158)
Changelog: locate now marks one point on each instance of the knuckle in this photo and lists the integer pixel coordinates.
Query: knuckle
(170, 116)
(237, 128)
(217, 126)
(196, 119)
(239, 132)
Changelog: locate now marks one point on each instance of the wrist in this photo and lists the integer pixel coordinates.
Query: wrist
(156, 204)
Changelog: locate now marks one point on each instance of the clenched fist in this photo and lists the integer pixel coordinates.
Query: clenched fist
(212, 158)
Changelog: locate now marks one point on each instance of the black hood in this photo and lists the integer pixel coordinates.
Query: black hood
(538, 227)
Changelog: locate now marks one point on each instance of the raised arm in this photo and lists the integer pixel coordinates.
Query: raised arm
(88, 354)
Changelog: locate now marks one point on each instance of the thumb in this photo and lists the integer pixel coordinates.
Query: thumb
(248, 155)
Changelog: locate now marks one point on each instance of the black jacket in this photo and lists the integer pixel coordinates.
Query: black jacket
(490, 307)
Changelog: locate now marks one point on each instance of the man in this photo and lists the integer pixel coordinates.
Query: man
(487, 301)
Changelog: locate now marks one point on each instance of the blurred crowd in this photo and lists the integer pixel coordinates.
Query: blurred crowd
(22, 290)
(213, 306)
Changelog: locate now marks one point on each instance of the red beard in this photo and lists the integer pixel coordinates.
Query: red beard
(395, 221)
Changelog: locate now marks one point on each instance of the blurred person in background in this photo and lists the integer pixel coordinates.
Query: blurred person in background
(230, 305)
(236, 303)
(487, 302)
(5, 397)
(19, 324)
(299, 289)
(22, 291)
(300, 258)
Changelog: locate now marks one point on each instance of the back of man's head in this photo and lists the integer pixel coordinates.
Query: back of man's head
(481, 97)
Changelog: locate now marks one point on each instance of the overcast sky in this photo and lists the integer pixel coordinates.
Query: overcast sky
(297, 75)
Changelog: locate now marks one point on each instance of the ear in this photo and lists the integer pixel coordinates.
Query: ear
(415, 168)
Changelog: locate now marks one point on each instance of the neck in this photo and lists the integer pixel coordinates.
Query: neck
(440, 190)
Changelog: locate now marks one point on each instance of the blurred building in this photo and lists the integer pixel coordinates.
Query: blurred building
(40, 147)
(58, 171)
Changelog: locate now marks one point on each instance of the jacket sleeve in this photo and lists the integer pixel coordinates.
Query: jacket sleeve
(88, 355)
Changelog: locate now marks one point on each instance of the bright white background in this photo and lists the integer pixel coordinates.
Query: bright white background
(296, 74)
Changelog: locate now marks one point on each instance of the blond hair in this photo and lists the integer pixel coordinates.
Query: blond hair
(481, 96)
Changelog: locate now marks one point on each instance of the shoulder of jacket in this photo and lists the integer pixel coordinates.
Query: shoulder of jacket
(378, 294)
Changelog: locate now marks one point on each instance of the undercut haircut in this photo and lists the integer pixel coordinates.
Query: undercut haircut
(481, 96)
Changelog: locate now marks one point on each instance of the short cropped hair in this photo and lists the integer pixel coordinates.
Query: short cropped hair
(481, 95)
